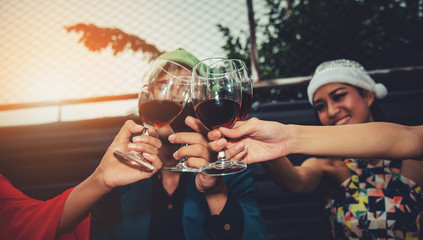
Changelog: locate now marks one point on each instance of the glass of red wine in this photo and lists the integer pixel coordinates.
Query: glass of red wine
(216, 94)
(165, 91)
(247, 89)
(178, 125)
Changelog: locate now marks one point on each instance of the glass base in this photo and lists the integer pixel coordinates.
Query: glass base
(223, 167)
(133, 159)
(182, 168)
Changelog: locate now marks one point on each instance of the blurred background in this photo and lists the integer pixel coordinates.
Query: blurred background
(70, 72)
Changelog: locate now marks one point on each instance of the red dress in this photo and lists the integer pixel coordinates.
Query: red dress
(22, 217)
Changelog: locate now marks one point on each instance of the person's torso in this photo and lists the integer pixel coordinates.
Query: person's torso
(376, 202)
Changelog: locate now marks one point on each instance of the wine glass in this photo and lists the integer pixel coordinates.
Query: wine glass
(178, 125)
(162, 97)
(216, 93)
(247, 89)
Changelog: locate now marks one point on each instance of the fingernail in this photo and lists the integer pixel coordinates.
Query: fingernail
(220, 142)
(245, 150)
(176, 155)
(189, 120)
(239, 147)
(132, 145)
(171, 138)
(223, 129)
(136, 139)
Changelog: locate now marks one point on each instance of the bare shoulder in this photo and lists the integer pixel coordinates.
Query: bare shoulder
(324, 163)
(333, 167)
(413, 169)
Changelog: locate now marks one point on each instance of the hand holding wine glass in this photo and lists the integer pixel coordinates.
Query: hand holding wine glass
(217, 95)
(178, 124)
(163, 95)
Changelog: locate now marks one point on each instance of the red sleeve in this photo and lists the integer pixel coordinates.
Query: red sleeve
(22, 217)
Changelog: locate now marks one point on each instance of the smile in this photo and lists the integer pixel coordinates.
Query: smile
(342, 121)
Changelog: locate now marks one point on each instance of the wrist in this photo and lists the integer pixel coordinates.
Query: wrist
(219, 188)
(292, 145)
(98, 181)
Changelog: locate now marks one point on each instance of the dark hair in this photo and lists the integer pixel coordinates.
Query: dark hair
(376, 110)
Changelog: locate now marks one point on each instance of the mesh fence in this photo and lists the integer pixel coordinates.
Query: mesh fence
(45, 55)
(41, 61)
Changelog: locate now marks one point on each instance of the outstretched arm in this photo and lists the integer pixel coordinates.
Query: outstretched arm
(270, 140)
(367, 140)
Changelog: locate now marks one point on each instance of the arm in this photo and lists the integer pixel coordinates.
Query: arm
(109, 174)
(367, 140)
(35, 219)
(27, 218)
(266, 140)
(299, 179)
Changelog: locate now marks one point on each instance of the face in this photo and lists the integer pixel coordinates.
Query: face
(178, 84)
(340, 104)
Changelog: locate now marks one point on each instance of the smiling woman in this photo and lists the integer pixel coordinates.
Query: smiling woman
(342, 92)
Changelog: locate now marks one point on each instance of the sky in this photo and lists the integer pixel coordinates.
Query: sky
(40, 61)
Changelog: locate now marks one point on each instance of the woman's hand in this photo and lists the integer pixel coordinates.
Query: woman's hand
(252, 141)
(112, 172)
(198, 155)
(213, 188)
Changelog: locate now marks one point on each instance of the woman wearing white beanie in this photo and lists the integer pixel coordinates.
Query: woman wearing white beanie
(366, 198)
(362, 201)
(345, 74)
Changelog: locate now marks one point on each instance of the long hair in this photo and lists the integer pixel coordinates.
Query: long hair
(376, 110)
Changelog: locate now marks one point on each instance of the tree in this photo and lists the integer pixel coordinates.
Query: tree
(97, 39)
(298, 35)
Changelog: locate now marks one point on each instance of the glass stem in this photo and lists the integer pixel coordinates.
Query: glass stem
(221, 156)
(184, 159)
(135, 153)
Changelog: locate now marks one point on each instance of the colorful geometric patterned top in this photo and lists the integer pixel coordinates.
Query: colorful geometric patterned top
(376, 203)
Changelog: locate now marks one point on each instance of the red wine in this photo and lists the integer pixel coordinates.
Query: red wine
(247, 101)
(217, 113)
(159, 113)
(178, 124)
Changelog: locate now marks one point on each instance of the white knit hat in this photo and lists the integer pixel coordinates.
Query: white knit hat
(344, 71)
